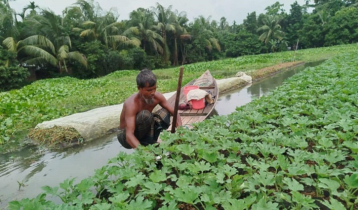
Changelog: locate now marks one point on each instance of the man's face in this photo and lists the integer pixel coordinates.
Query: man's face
(147, 93)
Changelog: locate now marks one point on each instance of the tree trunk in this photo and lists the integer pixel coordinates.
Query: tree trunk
(175, 52)
(164, 35)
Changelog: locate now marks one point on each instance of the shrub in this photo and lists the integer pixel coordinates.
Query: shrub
(11, 74)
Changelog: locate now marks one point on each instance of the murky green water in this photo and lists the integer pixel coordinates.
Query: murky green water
(23, 173)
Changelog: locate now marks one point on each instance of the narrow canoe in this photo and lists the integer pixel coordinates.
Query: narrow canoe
(205, 82)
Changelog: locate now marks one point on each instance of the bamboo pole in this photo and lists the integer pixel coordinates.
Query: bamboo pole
(177, 100)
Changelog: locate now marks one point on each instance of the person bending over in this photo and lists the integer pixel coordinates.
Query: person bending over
(138, 125)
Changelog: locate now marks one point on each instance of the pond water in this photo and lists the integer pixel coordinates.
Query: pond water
(23, 173)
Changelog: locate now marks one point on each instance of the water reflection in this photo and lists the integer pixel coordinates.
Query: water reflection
(36, 168)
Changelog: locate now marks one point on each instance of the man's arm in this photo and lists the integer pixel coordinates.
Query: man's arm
(130, 117)
(164, 103)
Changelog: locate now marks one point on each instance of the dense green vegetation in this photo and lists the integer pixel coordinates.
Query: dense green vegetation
(53, 98)
(293, 149)
(87, 42)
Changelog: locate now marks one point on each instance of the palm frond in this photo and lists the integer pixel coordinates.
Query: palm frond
(10, 44)
(135, 42)
(88, 23)
(77, 29)
(77, 56)
(208, 45)
(34, 51)
(124, 40)
(37, 40)
(215, 43)
(156, 45)
(115, 24)
(38, 60)
(86, 32)
(131, 31)
(170, 28)
(62, 52)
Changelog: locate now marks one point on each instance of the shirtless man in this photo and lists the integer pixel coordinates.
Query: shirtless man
(138, 125)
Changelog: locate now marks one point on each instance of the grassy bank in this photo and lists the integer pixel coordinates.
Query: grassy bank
(53, 98)
(282, 151)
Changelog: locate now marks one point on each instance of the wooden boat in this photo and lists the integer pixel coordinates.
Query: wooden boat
(205, 82)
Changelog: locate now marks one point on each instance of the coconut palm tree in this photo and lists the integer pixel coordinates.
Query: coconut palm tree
(179, 33)
(205, 32)
(64, 54)
(8, 21)
(30, 48)
(165, 24)
(108, 30)
(49, 25)
(142, 21)
(271, 29)
(36, 49)
(32, 7)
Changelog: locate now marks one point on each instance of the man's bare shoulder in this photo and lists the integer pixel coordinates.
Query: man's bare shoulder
(131, 102)
(159, 96)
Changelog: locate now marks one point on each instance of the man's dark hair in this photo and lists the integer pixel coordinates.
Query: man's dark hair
(145, 77)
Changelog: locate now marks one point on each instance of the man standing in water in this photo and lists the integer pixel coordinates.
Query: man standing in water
(138, 125)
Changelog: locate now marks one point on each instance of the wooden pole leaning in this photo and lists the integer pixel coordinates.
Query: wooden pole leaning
(176, 106)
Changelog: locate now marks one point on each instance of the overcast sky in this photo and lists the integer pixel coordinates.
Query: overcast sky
(231, 9)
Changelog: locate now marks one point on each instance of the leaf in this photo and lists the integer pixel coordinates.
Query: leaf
(101, 206)
(333, 204)
(263, 205)
(202, 166)
(133, 182)
(352, 181)
(220, 177)
(50, 190)
(292, 184)
(67, 184)
(152, 188)
(282, 162)
(211, 157)
(229, 171)
(265, 178)
(85, 185)
(189, 195)
(86, 198)
(172, 205)
(335, 156)
(184, 181)
(351, 145)
(14, 205)
(157, 176)
(119, 198)
(234, 205)
(139, 203)
(186, 149)
(303, 200)
(331, 184)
